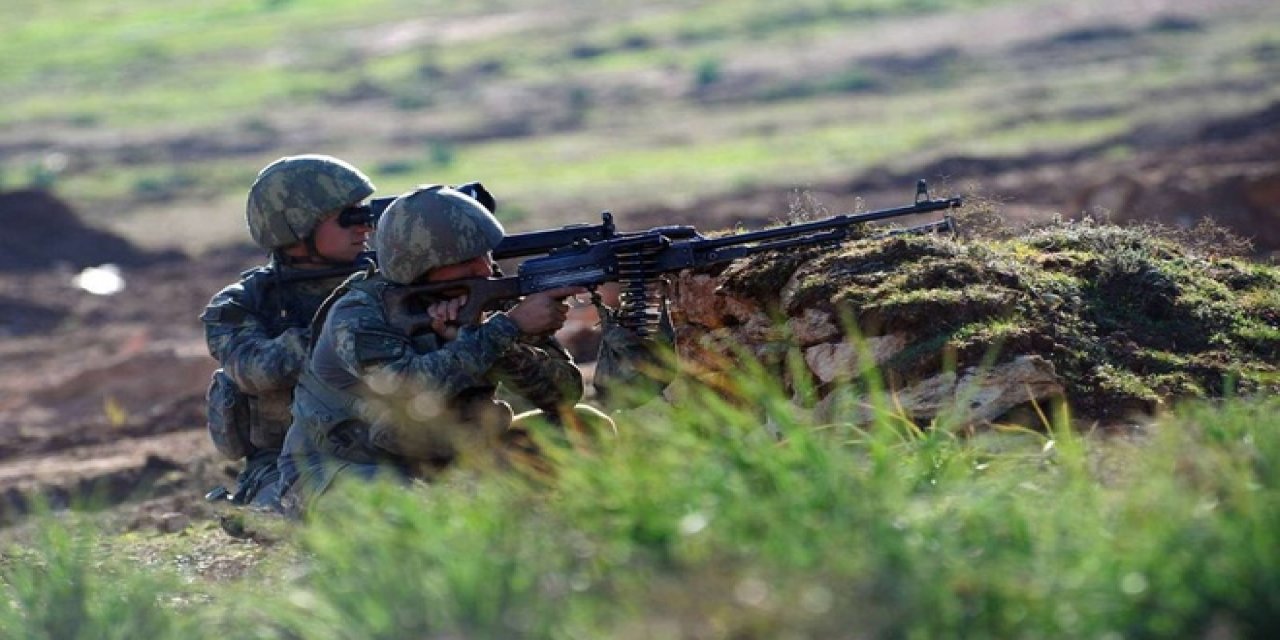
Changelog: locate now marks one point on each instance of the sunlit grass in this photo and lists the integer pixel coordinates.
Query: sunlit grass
(130, 65)
(1046, 135)
(595, 168)
(696, 518)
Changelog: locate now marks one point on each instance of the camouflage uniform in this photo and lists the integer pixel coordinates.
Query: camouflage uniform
(375, 400)
(259, 327)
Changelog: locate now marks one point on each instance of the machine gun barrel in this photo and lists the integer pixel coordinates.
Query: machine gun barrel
(816, 233)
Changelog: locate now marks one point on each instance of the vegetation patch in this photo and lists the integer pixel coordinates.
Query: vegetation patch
(697, 523)
(1131, 317)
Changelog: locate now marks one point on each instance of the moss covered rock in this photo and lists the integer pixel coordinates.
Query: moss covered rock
(1127, 318)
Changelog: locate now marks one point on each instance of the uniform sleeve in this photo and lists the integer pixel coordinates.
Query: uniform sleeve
(382, 356)
(256, 360)
(542, 373)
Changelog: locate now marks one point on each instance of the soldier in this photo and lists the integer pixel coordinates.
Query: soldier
(377, 401)
(258, 328)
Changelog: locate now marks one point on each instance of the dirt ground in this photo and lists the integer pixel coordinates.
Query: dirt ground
(103, 394)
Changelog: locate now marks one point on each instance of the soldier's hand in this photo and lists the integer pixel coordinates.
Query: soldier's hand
(543, 313)
(444, 316)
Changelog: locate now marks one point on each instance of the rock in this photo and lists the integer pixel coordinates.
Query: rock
(696, 299)
(813, 327)
(978, 396)
(693, 301)
(840, 360)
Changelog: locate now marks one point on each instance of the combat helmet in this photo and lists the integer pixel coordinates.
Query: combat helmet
(293, 194)
(432, 226)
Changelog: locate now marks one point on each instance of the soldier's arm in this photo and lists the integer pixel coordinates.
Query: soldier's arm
(543, 373)
(383, 357)
(256, 360)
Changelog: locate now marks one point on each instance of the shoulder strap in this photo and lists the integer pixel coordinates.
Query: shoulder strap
(261, 295)
(360, 280)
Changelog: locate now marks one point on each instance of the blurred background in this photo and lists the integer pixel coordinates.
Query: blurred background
(150, 118)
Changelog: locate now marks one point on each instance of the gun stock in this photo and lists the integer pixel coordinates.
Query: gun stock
(407, 306)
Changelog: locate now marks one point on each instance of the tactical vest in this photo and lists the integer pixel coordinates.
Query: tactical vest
(330, 416)
(240, 423)
(343, 423)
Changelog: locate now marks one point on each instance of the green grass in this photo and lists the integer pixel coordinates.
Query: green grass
(595, 171)
(696, 523)
(60, 587)
(127, 64)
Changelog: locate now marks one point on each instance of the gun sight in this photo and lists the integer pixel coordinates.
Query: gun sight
(369, 214)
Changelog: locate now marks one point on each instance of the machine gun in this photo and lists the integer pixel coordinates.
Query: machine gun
(518, 245)
(635, 260)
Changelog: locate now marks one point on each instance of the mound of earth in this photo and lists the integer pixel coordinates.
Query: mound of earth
(102, 395)
(1115, 320)
(42, 231)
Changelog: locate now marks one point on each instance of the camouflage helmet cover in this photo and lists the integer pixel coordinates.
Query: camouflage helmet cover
(293, 194)
(432, 226)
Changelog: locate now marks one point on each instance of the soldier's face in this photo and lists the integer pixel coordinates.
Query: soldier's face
(340, 243)
(478, 267)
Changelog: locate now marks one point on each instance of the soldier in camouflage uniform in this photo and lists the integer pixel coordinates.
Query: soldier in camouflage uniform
(376, 401)
(258, 328)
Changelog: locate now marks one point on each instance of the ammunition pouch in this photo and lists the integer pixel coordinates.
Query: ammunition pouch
(632, 370)
(227, 412)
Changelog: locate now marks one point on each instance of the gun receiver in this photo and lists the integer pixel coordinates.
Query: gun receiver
(637, 260)
(518, 245)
